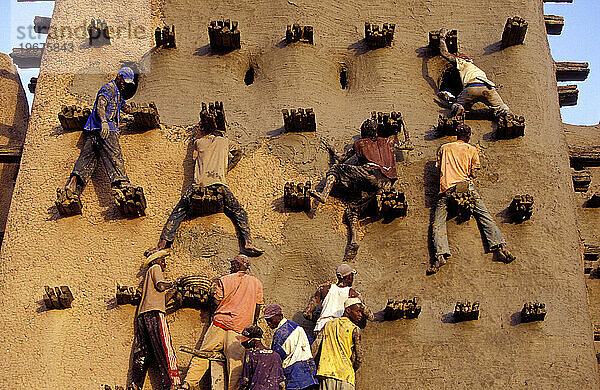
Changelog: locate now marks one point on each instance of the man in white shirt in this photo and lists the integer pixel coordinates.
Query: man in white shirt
(476, 86)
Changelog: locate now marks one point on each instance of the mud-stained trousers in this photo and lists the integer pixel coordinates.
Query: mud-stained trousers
(488, 226)
(487, 95)
(152, 343)
(358, 177)
(219, 340)
(106, 150)
(231, 207)
(334, 384)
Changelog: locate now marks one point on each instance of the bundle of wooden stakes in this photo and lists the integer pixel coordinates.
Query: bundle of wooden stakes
(377, 37)
(510, 126)
(297, 33)
(98, 33)
(57, 297)
(514, 31)
(224, 35)
(68, 202)
(521, 207)
(212, 117)
(207, 200)
(462, 201)
(388, 123)
(298, 121)
(392, 202)
(296, 197)
(466, 311)
(447, 125)
(533, 311)
(130, 199)
(451, 41)
(73, 118)
(165, 37)
(128, 295)
(406, 308)
(145, 117)
(581, 179)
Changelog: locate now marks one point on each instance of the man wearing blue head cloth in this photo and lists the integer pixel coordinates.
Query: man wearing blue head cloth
(102, 137)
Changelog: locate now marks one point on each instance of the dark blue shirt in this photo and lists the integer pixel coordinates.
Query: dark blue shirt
(292, 343)
(114, 103)
(262, 370)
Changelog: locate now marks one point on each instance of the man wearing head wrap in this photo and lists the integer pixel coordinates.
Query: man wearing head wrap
(339, 348)
(458, 162)
(152, 342)
(214, 155)
(238, 297)
(331, 297)
(101, 133)
(476, 86)
(292, 344)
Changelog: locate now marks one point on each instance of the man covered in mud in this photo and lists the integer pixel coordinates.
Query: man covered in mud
(101, 134)
(214, 156)
(476, 86)
(331, 297)
(376, 169)
(152, 342)
(339, 348)
(458, 163)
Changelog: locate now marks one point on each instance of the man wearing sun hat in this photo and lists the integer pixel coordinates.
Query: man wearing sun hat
(152, 340)
(476, 86)
(292, 344)
(332, 297)
(239, 297)
(262, 366)
(101, 133)
(339, 345)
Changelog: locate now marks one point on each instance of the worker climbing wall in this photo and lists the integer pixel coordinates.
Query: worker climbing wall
(90, 343)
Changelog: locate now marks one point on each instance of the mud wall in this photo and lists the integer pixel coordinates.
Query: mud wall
(90, 344)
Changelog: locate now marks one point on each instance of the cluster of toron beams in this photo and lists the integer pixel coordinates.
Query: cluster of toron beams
(27, 57)
(568, 95)
(41, 24)
(32, 84)
(572, 71)
(514, 31)
(296, 197)
(584, 156)
(554, 24)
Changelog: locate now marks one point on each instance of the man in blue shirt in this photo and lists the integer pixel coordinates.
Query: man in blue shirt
(292, 343)
(102, 137)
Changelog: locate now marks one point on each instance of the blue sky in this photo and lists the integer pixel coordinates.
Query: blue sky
(576, 43)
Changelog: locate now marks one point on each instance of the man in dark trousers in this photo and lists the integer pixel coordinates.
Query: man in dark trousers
(239, 297)
(340, 349)
(262, 366)
(292, 344)
(331, 297)
(458, 162)
(152, 341)
(476, 86)
(214, 155)
(376, 169)
(102, 137)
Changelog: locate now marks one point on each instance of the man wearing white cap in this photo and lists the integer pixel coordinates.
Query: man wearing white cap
(340, 350)
(152, 338)
(102, 136)
(239, 297)
(332, 297)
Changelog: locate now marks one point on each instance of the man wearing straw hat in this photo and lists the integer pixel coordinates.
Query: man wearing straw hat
(152, 338)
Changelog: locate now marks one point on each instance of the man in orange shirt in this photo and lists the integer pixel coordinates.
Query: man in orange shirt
(458, 162)
(238, 297)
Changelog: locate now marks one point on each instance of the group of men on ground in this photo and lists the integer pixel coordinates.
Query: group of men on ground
(250, 365)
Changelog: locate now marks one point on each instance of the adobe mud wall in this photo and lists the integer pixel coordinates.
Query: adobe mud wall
(90, 344)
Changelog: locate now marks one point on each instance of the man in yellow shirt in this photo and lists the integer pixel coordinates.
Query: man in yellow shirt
(340, 349)
(458, 162)
(476, 86)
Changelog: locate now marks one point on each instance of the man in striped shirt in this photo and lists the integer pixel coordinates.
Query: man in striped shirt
(292, 343)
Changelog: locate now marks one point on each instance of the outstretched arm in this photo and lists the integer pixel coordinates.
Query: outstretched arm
(236, 155)
(312, 304)
(444, 48)
(129, 108)
(357, 352)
